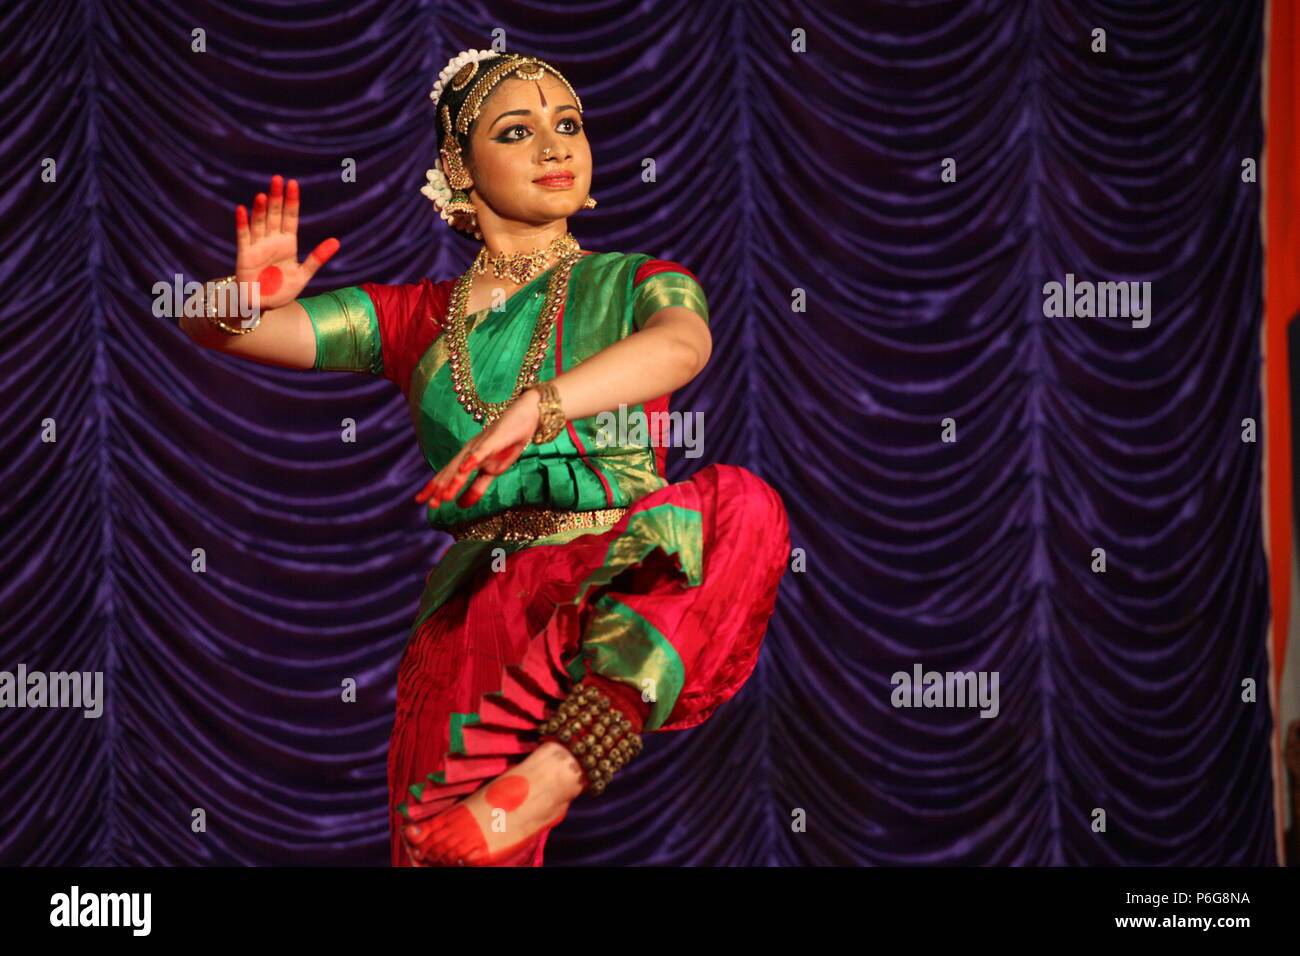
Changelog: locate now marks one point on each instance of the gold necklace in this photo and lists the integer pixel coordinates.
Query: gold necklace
(521, 267)
(462, 375)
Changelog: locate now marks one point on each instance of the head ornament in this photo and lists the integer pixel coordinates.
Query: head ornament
(458, 96)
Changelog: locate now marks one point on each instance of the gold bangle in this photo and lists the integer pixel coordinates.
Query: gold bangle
(209, 307)
(550, 416)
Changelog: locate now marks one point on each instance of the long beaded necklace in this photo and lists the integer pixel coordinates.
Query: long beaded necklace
(462, 375)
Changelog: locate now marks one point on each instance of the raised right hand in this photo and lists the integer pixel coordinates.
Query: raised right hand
(267, 249)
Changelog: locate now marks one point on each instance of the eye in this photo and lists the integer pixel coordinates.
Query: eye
(506, 135)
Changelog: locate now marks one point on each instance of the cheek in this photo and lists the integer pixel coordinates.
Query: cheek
(505, 174)
(582, 158)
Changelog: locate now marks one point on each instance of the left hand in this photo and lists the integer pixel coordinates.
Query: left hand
(490, 452)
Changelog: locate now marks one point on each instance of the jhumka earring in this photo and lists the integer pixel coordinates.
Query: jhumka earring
(457, 176)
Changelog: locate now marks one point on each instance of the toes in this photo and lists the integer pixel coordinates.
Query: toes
(427, 847)
(421, 835)
(459, 857)
(449, 821)
(446, 838)
(475, 855)
(466, 848)
(453, 852)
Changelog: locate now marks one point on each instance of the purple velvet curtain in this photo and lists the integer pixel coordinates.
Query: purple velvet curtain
(776, 171)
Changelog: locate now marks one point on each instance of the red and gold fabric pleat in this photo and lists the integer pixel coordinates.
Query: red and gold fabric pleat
(667, 609)
(1281, 304)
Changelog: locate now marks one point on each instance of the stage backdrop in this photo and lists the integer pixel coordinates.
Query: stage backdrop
(956, 462)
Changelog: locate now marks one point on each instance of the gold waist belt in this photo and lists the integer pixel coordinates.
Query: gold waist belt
(529, 523)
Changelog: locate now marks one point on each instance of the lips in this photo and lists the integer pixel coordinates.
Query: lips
(555, 179)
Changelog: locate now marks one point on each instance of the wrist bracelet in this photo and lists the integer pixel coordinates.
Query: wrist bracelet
(210, 310)
(550, 416)
(595, 732)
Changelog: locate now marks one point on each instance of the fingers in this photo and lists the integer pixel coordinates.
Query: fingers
(442, 487)
(427, 491)
(433, 490)
(498, 462)
(290, 224)
(272, 214)
(430, 491)
(449, 486)
(476, 490)
(242, 237)
(320, 255)
(491, 467)
(259, 216)
(275, 209)
(436, 488)
(475, 456)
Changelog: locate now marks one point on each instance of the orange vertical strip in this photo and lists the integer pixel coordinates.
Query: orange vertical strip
(1281, 173)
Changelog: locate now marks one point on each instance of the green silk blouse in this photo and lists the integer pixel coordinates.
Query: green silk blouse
(395, 332)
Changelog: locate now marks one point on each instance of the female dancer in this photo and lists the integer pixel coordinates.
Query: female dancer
(585, 600)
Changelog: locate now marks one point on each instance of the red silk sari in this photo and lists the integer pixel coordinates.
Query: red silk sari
(664, 610)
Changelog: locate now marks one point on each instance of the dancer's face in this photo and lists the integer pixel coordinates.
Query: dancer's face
(507, 152)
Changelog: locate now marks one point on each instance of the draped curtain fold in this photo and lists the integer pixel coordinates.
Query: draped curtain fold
(865, 308)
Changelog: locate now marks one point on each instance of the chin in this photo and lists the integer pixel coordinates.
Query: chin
(562, 207)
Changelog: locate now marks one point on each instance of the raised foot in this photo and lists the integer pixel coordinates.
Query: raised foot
(494, 824)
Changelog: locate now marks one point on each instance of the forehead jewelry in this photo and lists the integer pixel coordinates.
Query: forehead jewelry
(523, 67)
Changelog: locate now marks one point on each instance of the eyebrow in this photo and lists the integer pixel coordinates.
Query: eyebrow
(566, 106)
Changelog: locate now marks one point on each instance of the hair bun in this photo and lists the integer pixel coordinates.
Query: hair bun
(454, 66)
